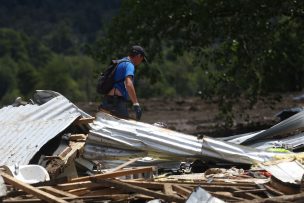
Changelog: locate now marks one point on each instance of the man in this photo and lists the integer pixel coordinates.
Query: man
(116, 100)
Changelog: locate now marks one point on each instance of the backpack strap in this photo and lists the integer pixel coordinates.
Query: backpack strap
(117, 63)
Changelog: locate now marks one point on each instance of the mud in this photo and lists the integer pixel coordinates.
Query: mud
(198, 117)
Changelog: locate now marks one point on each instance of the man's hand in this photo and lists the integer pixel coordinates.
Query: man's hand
(137, 111)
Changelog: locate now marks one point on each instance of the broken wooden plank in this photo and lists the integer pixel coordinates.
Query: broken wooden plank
(86, 198)
(84, 190)
(273, 191)
(250, 191)
(145, 184)
(105, 191)
(81, 120)
(286, 198)
(266, 192)
(131, 188)
(204, 183)
(80, 191)
(181, 191)
(78, 137)
(51, 182)
(65, 160)
(115, 174)
(57, 192)
(71, 186)
(168, 190)
(247, 196)
(30, 189)
(227, 196)
(123, 165)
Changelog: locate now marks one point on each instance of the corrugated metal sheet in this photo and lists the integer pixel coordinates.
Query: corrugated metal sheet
(288, 172)
(293, 142)
(130, 136)
(295, 122)
(25, 129)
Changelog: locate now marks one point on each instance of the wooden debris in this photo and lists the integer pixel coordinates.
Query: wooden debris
(168, 190)
(30, 189)
(180, 190)
(286, 198)
(140, 190)
(57, 164)
(81, 120)
(98, 187)
(78, 137)
(57, 192)
(123, 165)
(116, 174)
(113, 197)
(75, 185)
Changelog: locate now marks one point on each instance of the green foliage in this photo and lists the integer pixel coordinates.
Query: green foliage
(20, 60)
(225, 50)
(64, 26)
(70, 76)
(27, 77)
(245, 48)
(41, 45)
(8, 72)
(13, 45)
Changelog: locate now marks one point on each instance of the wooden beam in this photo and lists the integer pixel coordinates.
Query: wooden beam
(227, 196)
(273, 191)
(180, 190)
(80, 191)
(105, 191)
(115, 174)
(51, 182)
(123, 165)
(214, 183)
(78, 137)
(286, 198)
(86, 198)
(247, 196)
(251, 191)
(168, 190)
(204, 183)
(71, 186)
(30, 189)
(81, 121)
(146, 184)
(131, 188)
(55, 191)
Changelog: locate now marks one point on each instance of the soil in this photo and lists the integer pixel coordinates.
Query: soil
(198, 117)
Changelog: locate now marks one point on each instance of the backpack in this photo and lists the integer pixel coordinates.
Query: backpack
(105, 80)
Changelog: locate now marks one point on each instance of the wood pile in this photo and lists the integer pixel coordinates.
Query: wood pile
(138, 184)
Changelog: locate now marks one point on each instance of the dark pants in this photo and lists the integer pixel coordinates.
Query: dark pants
(116, 105)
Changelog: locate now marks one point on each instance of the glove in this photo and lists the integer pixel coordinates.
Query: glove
(137, 110)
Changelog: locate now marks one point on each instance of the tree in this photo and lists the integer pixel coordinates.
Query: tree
(245, 48)
(8, 81)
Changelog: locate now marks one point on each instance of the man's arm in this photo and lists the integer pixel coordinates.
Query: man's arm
(132, 94)
(131, 90)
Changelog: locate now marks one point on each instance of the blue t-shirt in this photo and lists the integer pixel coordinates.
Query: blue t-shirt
(123, 70)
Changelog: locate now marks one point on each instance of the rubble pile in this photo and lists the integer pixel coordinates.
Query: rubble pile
(52, 151)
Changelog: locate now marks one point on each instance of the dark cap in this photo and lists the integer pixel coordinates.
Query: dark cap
(136, 49)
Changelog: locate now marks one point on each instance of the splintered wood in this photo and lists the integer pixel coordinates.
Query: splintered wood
(113, 186)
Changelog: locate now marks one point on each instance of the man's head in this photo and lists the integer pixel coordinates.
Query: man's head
(138, 54)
